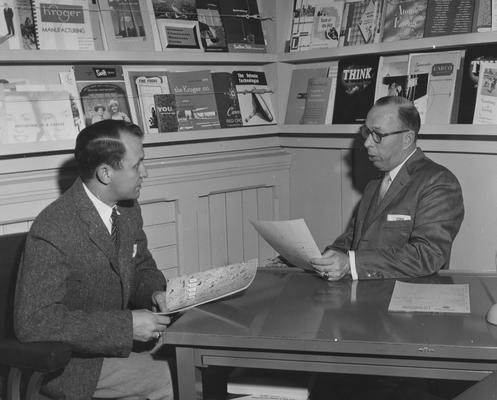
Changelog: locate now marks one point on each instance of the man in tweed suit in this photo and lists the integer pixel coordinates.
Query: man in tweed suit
(89, 282)
(406, 221)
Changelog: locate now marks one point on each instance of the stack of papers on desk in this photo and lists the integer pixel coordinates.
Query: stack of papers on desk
(246, 383)
(437, 298)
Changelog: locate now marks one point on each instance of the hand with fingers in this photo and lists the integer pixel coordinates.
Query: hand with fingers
(332, 266)
(148, 326)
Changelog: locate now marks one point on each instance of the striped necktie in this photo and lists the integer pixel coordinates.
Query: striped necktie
(114, 234)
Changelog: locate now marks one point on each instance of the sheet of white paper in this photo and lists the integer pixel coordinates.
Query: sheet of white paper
(291, 239)
(421, 297)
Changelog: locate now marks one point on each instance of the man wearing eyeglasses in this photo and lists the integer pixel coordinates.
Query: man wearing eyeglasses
(407, 219)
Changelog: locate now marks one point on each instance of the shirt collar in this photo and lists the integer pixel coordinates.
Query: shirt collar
(393, 173)
(104, 210)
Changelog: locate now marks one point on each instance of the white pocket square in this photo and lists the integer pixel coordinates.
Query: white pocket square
(398, 217)
(135, 249)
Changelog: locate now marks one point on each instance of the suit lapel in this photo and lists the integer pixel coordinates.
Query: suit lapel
(401, 180)
(125, 247)
(97, 232)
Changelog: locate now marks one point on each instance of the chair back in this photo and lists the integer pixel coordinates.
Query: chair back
(11, 247)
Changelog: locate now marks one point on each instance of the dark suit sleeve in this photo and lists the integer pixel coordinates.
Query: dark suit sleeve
(44, 310)
(343, 242)
(148, 278)
(439, 212)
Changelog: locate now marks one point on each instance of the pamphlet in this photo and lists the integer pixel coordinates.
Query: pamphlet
(291, 239)
(192, 290)
(430, 297)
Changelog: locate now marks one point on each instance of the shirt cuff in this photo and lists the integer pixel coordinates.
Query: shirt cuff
(353, 270)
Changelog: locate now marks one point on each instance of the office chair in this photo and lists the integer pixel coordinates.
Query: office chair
(27, 363)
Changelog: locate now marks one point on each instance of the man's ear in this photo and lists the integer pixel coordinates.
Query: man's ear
(104, 173)
(409, 139)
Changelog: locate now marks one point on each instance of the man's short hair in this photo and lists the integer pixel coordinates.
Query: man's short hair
(100, 143)
(407, 111)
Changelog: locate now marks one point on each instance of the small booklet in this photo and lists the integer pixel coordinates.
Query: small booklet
(291, 239)
(192, 290)
(430, 297)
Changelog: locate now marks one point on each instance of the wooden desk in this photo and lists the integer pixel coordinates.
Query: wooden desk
(292, 320)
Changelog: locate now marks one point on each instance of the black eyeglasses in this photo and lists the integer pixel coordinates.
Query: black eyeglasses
(377, 136)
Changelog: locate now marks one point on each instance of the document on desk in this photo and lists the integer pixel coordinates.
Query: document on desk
(436, 298)
(291, 239)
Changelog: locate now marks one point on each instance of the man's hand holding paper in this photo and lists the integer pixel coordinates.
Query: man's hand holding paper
(332, 265)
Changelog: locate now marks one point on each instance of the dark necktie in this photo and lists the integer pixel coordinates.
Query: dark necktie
(114, 233)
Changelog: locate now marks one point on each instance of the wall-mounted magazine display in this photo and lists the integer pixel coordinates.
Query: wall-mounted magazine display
(63, 25)
(486, 95)
(356, 85)
(35, 113)
(142, 83)
(254, 98)
(17, 30)
(174, 23)
(195, 100)
(126, 25)
(404, 19)
(439, 106)
(211, 27)
(242, 25)
(102, 92)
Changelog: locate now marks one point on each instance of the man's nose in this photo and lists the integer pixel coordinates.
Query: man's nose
(369, 142)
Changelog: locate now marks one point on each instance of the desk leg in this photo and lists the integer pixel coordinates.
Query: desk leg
(189, 376)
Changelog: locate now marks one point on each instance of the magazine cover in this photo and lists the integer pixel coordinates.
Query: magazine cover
(153, 81)
(226, 100)
(174, 23)
(302, 25)
(18, 30)
(392, 76)
(63, 25)
(355, 92)
(486, 97)
(192, 290)
(473, 57)
(242, 25)
(211, 26)
(68, 82)
(165, 108)
(254, 98)
(404, 19)
(361, 22)
(443, 69)
(34, 115)
(327, 22)
(449, 17)
(298, 92)
(126, 25)
(102, 92)
(195, 100)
